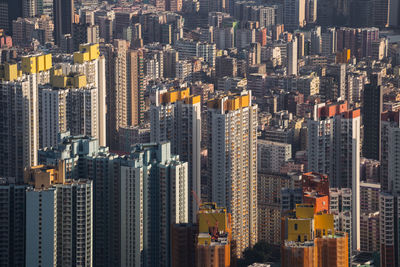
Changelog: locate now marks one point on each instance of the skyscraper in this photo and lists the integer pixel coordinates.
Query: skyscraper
(136, 198)
(10, 10)
(291, 65)
(373, 105)
(75, 100)
(124, 88)
(12, 225)
(176, 117)
(63, 16)
(294, 14)
(59, 230)
(390, 123)
(136, 106)
(154, 185)
(232, 165)
(334, 149)
(389, 200)
(19, 113)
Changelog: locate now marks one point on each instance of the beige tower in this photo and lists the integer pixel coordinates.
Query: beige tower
(125, 88)
(232, 153)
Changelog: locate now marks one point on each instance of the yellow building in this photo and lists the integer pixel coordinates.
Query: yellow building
(37, 63)
(305, 225)
(87, 52)
(43, 176)
(310, 240)
(214, 239)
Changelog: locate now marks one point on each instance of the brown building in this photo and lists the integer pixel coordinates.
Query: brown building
(301, 254)
(125, 89)
(321, 252)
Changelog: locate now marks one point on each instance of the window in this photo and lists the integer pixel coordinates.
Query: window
(295, 226)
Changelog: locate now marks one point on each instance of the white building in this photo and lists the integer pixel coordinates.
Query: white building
(41, 228)
(232, 154)
(59, 228)
(271, 156)
(175, 116)
(189, 48)
(334, 149)
(154, 195)
(291, 60)
(184, 70)
(68, 109)
(53, 114)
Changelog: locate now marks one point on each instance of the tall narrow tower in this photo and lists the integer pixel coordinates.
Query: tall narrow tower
(334, 149)
(232, 154)
(63, 16)
(373, 105)
(176, 117)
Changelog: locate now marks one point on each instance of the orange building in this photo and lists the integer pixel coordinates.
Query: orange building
(321, 252)
(298, 254)
(214, 239)
(309, 238)
(332, 250)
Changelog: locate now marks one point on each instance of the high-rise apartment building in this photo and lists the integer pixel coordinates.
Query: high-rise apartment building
(328, 42)
(20, 113)
(154, 195)
(83, 157)
(369, 232)
(389, 229)
(390, 122)
(213, 246)
(334, 149)
(74, 109)
(174, 5)
(369, 197)
(294, 14)
(125, 88)
(232, 154)
(64, 16)
(340, 205)
(10, 11)
(136, 197)
(41, 239)
(291, 59)
(12, 225)
(272, 155)
(75, 100)
(25, 29)
(207, 6)
(372, 109)
(59, 230)
(175, 116)
(189, 48)
(136, 105)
